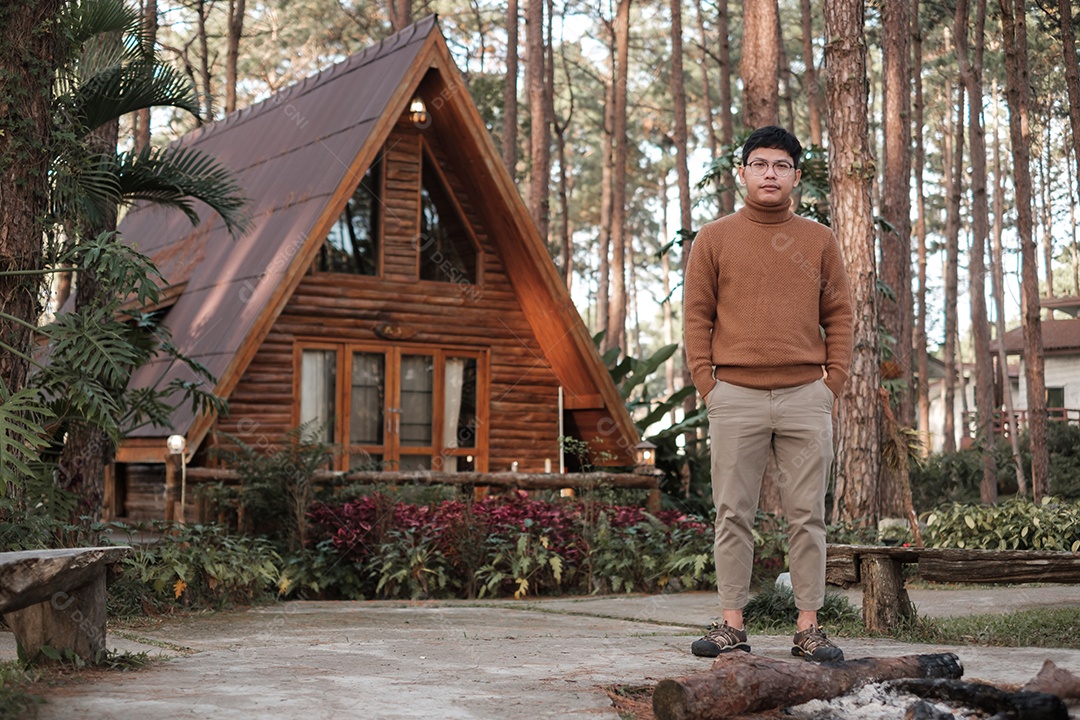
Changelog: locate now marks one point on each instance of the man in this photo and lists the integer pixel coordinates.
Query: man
(768, 329)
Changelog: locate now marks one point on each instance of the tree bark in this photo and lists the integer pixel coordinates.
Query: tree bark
(539, 134)
(810, 78)
(999, 306)
(955, 172)
(603, 291)
(727, 120)
(784, 76)
(237, 8)
(510, 105)
(142, 117)
(616, 328)
(29, 53)
(922, 392)
(896, 196)
(1018, 90)
(1048, 225)
(1072, 78)
(971, 75)
(858, 456)
(204, 62)
(400, 12)
(706, 90)
(750, 683)
(760, 63)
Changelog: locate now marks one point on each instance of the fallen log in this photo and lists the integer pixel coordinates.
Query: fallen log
(1056, 681)
(740, 683)
(1023, 705)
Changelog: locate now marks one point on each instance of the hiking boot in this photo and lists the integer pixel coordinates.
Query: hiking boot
(720, 639)
(812, 644)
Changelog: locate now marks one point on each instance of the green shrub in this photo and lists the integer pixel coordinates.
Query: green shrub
(16, 700)
(1016, 524)
(773, 610)
(195, 567)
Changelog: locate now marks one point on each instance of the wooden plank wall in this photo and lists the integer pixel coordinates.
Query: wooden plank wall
(342, 308)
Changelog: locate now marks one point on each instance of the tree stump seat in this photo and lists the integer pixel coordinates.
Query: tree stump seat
(56, 598)
(880, 570)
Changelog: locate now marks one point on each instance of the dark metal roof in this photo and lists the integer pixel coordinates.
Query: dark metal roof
(1058, 336)
(291, 153)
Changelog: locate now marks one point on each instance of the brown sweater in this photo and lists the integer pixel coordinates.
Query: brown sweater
(761, 286)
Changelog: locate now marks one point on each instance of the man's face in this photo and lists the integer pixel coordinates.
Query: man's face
(769, 188)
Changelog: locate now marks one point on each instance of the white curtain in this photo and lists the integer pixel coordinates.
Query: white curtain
(453, 386)
(317, 377)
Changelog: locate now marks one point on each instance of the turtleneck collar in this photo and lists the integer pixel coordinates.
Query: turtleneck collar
(766, 214)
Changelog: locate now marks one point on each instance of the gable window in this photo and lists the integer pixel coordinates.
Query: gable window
(447, 251)
(352, 245)
(402, 407)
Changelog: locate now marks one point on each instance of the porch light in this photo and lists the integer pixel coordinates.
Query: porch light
(418, 111)
(176, 444)
(646, 457)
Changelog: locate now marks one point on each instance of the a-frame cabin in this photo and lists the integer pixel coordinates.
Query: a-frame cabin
(392, 288)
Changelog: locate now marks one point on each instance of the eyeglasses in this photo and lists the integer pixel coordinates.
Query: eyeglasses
(782, 168)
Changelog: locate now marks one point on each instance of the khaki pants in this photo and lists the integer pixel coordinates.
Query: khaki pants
(744, 425)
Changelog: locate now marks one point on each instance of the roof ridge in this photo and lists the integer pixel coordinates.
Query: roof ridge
(386, 46)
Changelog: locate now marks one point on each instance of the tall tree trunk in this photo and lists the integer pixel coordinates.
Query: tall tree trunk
(760, 63)
(616, 328)
(1072, 84)
(400, 12)
(784, 76)
(895, 313)
(682, 171)
(29, 54)
(810, 78)
(150, 28)
(510, 104)
(955, 149)
(539, 135)
(237, 9)
(603, 292)
(727, 120)
(1017, 91)
(1074, 251)
(999, 306)
(1048, 225)
(859, 456)
(896, 196)
(565, 240)
(923, 388)
(88, 450)
(665, 279)
(706, 90)
(971, 76)
(204, 61)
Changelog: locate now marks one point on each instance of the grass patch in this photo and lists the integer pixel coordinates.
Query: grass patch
(772, 612)
(15, 697)
(1046, 628)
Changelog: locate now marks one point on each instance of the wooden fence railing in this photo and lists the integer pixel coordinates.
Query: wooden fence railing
(176, 476)
(1002, 426)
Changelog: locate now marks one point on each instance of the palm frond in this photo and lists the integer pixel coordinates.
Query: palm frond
(130, 84)
(87, 19)
(173, 176)
(21, 433)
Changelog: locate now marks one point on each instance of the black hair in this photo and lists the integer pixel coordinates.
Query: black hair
(775, 137)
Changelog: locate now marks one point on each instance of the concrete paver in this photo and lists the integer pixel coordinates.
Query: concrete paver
(505, 660)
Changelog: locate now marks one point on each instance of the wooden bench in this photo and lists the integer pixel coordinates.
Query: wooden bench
(56, 598)
(880, 570)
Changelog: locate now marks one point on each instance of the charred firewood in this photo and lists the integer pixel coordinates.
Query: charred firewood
(922, 710)
(1023, 705)
(740, 683)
